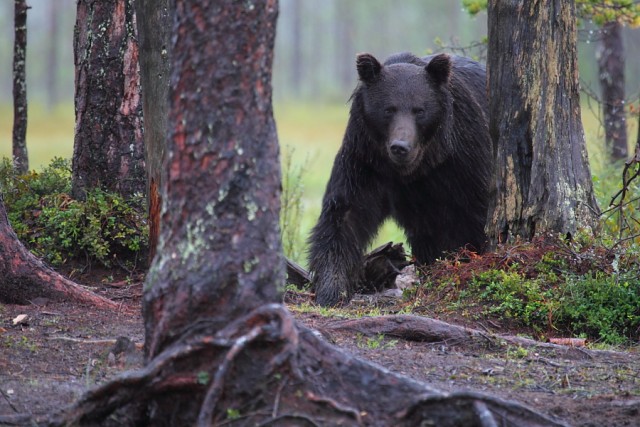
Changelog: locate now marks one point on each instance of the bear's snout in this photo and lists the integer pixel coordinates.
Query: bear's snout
(404, 155)
(400, 148)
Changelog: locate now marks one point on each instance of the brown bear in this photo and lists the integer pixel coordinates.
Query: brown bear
(416, 149)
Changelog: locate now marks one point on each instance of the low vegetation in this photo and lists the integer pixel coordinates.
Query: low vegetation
(104, 229)
(546, 288)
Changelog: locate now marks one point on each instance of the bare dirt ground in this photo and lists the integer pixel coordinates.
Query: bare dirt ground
(62, 349)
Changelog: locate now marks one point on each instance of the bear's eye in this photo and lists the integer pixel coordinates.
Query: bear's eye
(419, 112)
(389, 111)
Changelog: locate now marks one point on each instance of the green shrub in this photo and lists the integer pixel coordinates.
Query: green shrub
(511, 295)
(601, 305)
(104, 228)
(598, 305)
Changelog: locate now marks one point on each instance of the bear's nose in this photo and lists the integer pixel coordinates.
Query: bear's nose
(399, 148)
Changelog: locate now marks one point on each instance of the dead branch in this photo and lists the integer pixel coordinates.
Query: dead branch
(380, 267)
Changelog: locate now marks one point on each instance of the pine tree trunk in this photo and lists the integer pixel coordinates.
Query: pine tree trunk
(610, 56)
(297, 53)
(154, 35)
(20, 156)
(108, 150)
(345, 52)
(220, 202)
(53, 52)
(543, 183)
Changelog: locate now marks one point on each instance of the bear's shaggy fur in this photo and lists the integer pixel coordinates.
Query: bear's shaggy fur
(416, 149)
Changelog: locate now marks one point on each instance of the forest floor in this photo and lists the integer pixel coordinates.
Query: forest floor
(48, 359)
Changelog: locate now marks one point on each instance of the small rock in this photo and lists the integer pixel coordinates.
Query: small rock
(407, 278)
(21, 319)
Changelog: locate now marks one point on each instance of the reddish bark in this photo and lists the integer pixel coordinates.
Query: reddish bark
(108, 150)
(23, 277)
(155, 206)
(220, 202)
(154, 35)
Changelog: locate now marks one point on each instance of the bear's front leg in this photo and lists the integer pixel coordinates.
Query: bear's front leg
(338, 241)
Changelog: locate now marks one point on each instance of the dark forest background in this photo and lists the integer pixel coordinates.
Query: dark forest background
(315, 46)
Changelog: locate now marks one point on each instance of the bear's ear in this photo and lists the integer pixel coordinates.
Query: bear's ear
(439, 68)
(368, 67)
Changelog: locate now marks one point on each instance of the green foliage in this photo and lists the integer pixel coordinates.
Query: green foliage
(23, 342)
(291, 208)
(598, 305)
(375, 343)
(602, 305)
(233, 414)
(517, 352)
(203, 378)
(56, 227)
(511, 295)
(603, 11)
(599, 11)
(473, 7)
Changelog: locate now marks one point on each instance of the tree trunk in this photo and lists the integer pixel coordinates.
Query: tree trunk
(345, 52)
(219, 349)
(610, 56)
(220, 202)
(543, 182)
(52, 55)
(23, 277)
(108, 150)
(154, 35)
(297, 52)
(20, 156)
(637, 147)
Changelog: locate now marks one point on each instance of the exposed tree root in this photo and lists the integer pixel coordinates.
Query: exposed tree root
(23, 277)
(416, 328)
(299, 378)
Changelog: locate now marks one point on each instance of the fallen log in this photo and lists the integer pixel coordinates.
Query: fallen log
(380, 267)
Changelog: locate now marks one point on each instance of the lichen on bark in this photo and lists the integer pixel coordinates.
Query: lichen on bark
(543, 182)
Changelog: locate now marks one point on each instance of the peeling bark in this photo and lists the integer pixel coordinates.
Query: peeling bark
(108, 149)
(20, 156)
(543, 182)
(154, 35)
(610, 55)
(23, 277)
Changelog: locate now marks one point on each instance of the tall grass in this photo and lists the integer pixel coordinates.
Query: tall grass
(49, 133)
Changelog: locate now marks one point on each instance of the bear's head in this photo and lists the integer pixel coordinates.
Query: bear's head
(405, 103)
